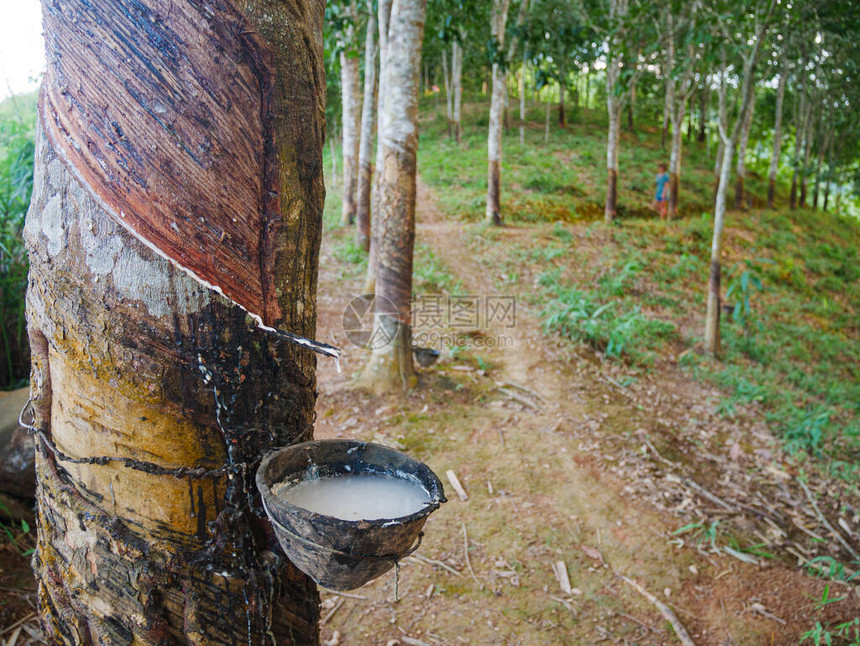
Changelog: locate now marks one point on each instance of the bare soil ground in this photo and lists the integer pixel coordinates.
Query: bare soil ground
(563, 463)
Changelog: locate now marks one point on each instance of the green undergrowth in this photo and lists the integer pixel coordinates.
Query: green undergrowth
(17, 137)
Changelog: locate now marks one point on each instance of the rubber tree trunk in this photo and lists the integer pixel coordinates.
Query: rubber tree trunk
(457, 82)
(522, 89)
(562, 90)
(703, 112)
(675, 159)
(390, 365)
(449, 100)
(546, 125)
(741, 169)
(804, 175)
(368, 121)
(135, 359)
(618, 10)
(351, 124)
(494, 147)
(498, 20)
(777, 140)
(384, 14)
(712, 320)
(611, 207)
(823, 144)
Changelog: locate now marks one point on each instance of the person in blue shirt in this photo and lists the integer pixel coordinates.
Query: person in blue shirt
(661, 198)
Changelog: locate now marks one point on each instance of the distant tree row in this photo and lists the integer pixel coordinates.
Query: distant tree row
(786, 71)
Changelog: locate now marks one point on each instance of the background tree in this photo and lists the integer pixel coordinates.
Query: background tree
(623, 29)
(498, 98)
(390, 365)
(163, 540)
(741, 48)
(347, 18)
(368, 123)
(678, 29)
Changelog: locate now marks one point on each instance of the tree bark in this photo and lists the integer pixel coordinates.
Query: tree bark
(703, 112)
(562, 90)
(457, 81)
(546, 124)
(384, 14)
(498, 20)
(741, 169)
(712, 317)
(351, 123)
(777, 139)
(712, 320)
(449, 100)
(611, 206)
(807, 149)
(133, 358)
(368, 121)
(390, 365)
(523, 100)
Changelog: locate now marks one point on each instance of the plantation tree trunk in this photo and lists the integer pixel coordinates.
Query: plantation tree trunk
(351, 124)
(777, 140)
(457, 82)
(703, 111)
(331, 141)
(677, 95)
(712, 320)
(498, 103)
(741, 169)
(612, 158)
(546, 124)
(675, 160)
(747, 76)
(824, 143)
(829, 177)
(630, 109)
(668, 99)
(562, 90)
(390, 365)
(368, 120)
(804, 174)
(136, 360)
(449, 100)
(499, 18)
(522, 92)
(618, 10)
(384, 14)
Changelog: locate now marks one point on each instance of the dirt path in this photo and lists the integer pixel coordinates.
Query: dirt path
(561, 464)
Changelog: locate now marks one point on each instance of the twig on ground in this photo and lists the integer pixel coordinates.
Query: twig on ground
(520, 398)
(826, 522)
(22, 620)
(707, 494)
(667, 613)
(531, 392)
(455, 482)
(331, 612)
(344, 594)
(559, 568)
(413, 642)
(444, 566)
(466, 554)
